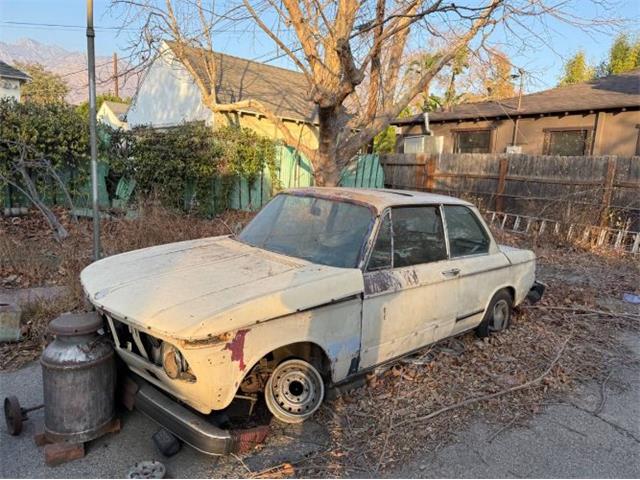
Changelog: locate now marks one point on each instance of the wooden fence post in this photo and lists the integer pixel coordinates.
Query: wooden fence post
(607, 190)
(430, 181)
(502, 175)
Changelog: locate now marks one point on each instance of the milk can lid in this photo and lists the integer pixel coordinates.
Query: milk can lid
(76, 324)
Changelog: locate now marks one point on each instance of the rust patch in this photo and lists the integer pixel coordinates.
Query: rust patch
(208, 341)
(382, 281)
(410, 276)
(236, 347)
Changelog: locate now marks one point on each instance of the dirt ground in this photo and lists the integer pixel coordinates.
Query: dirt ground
(570, 339)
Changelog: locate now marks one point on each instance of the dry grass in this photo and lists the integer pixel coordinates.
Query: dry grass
(377, 427)
(30, 257)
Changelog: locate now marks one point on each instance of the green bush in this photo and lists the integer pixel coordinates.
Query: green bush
(166, 163)
(52, 131)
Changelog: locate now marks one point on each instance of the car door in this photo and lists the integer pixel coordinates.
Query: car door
(477, 261)
(407, 297)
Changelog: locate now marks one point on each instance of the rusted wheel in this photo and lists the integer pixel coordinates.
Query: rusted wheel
(13, 415)
(294, 391)
(498, 316)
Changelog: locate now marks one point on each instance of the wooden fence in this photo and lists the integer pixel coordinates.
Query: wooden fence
(583, 191)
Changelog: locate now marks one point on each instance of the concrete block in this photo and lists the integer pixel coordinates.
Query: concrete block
(10, 330)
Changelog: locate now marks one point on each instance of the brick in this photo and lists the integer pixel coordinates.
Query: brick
(246, 439)
(41, 439)
(57, 453)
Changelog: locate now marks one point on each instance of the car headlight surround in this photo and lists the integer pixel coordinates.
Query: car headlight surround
(173, 362)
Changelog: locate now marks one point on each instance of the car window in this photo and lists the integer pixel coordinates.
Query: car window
(466, 234)
(328, 232)
(418, 236)
(381, 253)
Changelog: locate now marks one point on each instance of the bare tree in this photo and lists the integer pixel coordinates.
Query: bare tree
(351, 52)
(21, 173)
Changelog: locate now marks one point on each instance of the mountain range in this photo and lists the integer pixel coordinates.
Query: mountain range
(72, 66)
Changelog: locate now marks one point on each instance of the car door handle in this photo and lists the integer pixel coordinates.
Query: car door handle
(454, 272)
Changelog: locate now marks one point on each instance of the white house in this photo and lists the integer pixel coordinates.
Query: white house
(11, 81)
(113, 114)
(168, 95)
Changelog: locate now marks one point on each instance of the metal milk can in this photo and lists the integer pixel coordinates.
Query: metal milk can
(79, 378)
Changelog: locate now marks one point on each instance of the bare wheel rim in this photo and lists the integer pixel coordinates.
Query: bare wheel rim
(296, 389)
(500, 316)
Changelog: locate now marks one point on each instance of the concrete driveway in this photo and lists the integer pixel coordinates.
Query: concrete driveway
(565, 440)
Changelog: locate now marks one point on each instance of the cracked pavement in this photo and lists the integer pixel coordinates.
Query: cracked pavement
(569, 439)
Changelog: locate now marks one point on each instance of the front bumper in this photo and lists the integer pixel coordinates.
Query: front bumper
(190, 427)
(536, 291)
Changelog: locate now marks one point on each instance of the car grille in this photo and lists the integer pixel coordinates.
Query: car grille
(128, 338)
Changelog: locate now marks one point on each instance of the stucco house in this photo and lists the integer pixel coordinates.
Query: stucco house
(11, 81)
(600, 117)
(168, 95)
(113, 114)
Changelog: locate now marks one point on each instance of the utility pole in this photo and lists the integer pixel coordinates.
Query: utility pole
(115, 75)
(520, 74)
(91, 56)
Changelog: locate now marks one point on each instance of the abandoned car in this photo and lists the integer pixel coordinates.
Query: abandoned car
(322, 285)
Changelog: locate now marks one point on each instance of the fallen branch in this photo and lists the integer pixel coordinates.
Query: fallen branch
(490, 396)
(583, 310)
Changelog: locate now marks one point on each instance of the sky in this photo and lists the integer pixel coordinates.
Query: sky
(61, 22)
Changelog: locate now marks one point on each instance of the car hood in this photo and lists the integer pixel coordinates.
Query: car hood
(195, 289)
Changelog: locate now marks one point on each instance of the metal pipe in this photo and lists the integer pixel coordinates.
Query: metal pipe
(91, 56)
(514, 136)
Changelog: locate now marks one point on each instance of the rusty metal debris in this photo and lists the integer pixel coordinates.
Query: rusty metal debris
(147, 469)
(15, 415)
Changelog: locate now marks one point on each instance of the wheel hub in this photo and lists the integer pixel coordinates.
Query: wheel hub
(500, 316)
(296, 389)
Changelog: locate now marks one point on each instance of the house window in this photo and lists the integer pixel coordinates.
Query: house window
(473, 141)
(567, 142)
(414, 144)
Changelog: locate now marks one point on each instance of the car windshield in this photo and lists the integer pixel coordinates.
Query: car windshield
(328, 232)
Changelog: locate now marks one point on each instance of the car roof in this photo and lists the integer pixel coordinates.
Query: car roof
(379, 198)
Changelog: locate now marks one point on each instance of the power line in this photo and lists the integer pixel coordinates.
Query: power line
(59, 25)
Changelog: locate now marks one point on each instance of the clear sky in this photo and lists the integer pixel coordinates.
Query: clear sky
(42, 20)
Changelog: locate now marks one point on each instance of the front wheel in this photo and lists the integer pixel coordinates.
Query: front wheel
(294, 391)
(497, 316)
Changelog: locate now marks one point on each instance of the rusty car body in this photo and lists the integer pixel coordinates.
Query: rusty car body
(338, 280)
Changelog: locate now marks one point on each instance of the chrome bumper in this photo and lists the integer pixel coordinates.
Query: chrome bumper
(188, 426)
(185, 424)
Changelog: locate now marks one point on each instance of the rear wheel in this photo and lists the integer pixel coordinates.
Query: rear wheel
(294, 391)
(497, 316)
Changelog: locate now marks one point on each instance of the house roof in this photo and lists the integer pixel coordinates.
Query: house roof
(279, 89)
(119, 109)
(615, 91)
(7, 71)
(379, 198)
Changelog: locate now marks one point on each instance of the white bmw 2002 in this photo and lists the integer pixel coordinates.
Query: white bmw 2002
(322, 285)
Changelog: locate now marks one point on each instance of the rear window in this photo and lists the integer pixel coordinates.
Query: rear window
(466, 235)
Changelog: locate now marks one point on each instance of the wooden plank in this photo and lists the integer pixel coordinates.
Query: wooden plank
(504, 167)
(607, 191)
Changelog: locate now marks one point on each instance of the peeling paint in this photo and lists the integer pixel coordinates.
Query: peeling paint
(209, 341)
(236, 347)
(410, 276)
(381, 281)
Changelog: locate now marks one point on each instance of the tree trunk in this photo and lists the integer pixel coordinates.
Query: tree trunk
(326, 171)
(59, 232)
